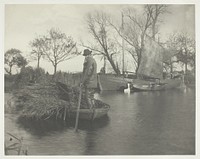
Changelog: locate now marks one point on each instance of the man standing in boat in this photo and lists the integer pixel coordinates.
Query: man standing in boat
(89, 77)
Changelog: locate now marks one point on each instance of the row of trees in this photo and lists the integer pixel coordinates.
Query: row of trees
(56, 47)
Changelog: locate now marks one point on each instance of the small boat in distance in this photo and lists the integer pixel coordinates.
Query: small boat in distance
(153, 86)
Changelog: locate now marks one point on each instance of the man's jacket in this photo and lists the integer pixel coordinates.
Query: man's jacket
(90, 72)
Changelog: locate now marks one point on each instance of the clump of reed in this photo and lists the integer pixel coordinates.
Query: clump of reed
(50, 100)
(40, 101)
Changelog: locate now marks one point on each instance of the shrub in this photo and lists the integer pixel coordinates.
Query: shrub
(30, 75)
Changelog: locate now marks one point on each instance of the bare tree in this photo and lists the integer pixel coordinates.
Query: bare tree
(57, 47)
(36, 45)
(155, 11)
(12, 58)
(137, 26)
(99, 27)
(135, 29)
(186, 48)
(169, 58)
(182, 48)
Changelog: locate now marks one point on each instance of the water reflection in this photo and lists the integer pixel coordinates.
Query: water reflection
(45, 127)
(40, 128)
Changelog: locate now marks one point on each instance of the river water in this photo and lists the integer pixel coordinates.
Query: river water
(140, 123)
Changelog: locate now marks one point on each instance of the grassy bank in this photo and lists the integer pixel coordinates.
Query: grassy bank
(18, 81)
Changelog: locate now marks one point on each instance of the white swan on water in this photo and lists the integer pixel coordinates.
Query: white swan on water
(127, 90)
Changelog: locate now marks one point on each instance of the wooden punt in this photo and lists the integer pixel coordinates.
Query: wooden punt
(164, 85)
(90, 113)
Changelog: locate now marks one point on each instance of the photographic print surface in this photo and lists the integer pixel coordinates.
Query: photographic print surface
(99, 79)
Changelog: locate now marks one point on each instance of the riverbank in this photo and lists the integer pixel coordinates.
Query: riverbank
(18, 81)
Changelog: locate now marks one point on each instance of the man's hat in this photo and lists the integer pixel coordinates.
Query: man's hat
(86, 52)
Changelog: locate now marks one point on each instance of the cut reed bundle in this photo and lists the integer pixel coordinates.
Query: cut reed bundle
(40, 101)
(52, 100)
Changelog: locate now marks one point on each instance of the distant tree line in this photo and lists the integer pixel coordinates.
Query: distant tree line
(55, 47)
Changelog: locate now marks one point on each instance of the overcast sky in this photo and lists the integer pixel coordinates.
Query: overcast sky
(24, 22)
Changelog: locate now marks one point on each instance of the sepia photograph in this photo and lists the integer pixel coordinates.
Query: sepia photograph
(93, 79)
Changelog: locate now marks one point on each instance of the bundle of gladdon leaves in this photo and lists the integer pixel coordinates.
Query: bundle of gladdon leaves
(52, 100)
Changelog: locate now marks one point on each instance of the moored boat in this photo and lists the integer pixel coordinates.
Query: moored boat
(90, 114)
(150, 71)
(153, 86)
(109, 82)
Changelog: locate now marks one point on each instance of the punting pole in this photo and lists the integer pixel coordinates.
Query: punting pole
(78, 109)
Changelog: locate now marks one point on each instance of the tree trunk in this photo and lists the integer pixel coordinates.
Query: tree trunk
(55, 68)
(38, 62)
(186, 62)
(104, 65)
(138, 63)
(153, 31)
(186, 68)
(113, 66)
(136, 70)
(171, 69)
(10, 71)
